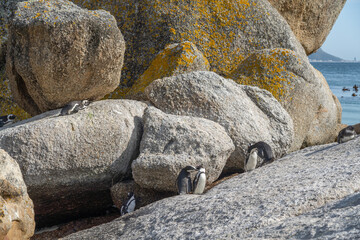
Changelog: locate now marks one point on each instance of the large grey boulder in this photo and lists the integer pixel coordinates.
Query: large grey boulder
(311, 21)
(301, 90)
(243, 206)
(224, 31)
(171, 142)
(16, 208)
(247, 113)
(70, 162)
(59, 52)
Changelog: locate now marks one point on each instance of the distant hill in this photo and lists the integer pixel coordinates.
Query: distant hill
(323, 56)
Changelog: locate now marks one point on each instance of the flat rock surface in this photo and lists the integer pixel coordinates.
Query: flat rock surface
(338, 220)
(288, 189)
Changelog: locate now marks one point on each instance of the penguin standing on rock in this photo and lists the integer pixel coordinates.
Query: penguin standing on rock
(258, 154)
(346, 134)
(183, 181)
(7, 119)
(74, 107)
(199, 181)
(129, 204)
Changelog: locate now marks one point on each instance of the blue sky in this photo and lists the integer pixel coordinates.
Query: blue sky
(344, 38)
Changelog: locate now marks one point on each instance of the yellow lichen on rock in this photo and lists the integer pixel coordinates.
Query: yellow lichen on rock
(268, 70)
(119, 93)
(300, 89)
(225, 31)
(7, 104)
(174, 59)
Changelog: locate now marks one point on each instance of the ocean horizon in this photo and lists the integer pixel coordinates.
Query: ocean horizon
(341, 75)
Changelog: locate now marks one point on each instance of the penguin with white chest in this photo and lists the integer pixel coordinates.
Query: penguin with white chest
(346, 134)
(74, 107)
(7, 119)
(183, 181)
(199, 181)
(129, 205)
(258, 154)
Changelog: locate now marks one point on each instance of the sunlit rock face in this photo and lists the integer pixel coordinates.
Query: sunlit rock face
(224, 31)
(16, 208)
(75, 158)
(311, 21)
(300, 89)
(248, 114)
(59, 52)
(171, 142)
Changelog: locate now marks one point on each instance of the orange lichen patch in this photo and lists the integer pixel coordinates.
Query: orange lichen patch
(217, 27)
(119, 93)
(7, 103)
(174, 59)
(37, 15)
(269, 70)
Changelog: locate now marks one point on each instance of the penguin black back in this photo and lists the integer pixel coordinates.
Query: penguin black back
(264, 151)
(74, 107)
(129, 205)
(183, 181)
(7, 119)
(346, 134)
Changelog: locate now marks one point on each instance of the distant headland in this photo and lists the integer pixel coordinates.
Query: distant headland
(322, 56)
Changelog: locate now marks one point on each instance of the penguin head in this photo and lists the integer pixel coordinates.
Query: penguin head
(200, 168)
(11, 117)
(350, 128)
(189, 168)
(249, 145)
(254, 152)
(85, 102)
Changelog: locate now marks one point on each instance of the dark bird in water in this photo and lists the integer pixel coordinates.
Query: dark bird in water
(74, 107)
(258, 154)
(129, 204)
(199, 181)
(346, 134)
(345, 89)
(355, 87)
(183, 181)
(354, 95)
(4, 120)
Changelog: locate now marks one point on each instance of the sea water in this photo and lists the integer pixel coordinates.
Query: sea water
(340, 75)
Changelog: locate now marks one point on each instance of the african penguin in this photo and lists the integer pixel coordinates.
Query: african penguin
(74, 107)
(129, 205)
(183, 181)
(258, 154)
(6, 119)
(199, 181)
(346, 134)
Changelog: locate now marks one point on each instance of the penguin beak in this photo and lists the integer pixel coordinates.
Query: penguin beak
(193, 169)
